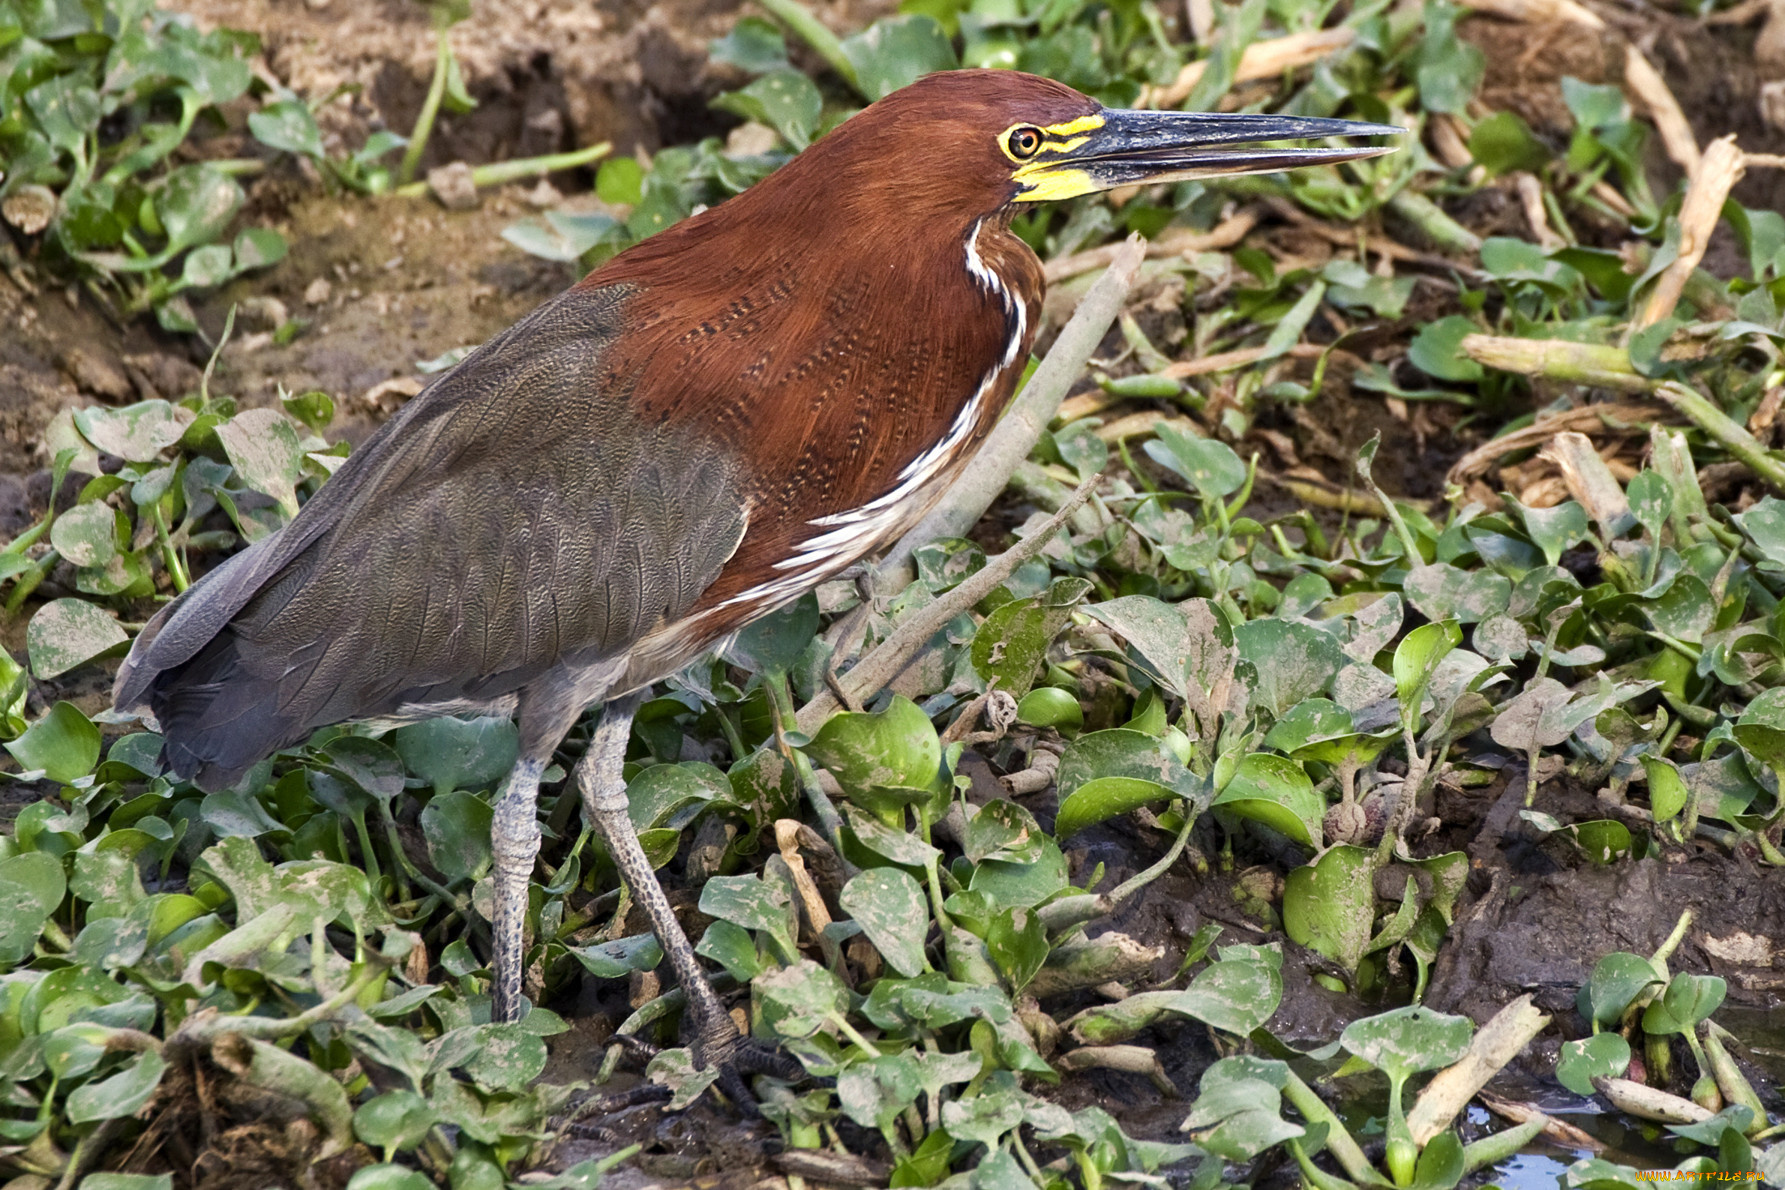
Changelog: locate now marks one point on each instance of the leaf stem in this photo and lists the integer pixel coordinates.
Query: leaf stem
(430, 108)
(496, 173)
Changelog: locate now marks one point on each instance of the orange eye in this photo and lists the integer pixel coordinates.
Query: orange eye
(1024, 142)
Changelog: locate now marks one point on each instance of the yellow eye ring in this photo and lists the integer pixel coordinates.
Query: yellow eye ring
(1023, 141)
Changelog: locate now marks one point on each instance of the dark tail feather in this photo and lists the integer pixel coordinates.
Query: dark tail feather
(218, 719)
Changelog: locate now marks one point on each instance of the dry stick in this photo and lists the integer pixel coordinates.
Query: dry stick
(1260, 60)
(1650, 90)
(882, 665)
(1016, 434)
(1499, 1042)
(1224, 234)
(1718, 171)
(1540, 12)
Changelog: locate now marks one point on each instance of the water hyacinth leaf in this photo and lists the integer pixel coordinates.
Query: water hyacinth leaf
(1503, 142)
(457, 828)
(985, 1117)
(388, 1177)
(773, 643)
(1210, 467)
(136, 433)
(231, 814)
(1233, 995)
(1012, 643)
(1275, 791)
(1440, 1165)
(506, 1058)
(879, 753)
(195, 206)
(1157, 631)
(289, 127)
(1685, 610)
(120, 1095)
(1003, 830)
(64, 744)
(1111, 772)
(1050, 706)
(1238, 1115)
(128, 1181)
(1418, 655)
(753, 45)
(1329, 905)
(784, 99)
(1688, 999)
(453, 753)
(563, 236)
(899, 846)
(897, 51)
(1408, 1040)
(85, 534)
(732, 947)
(1017, 943)
(875, 1092)
(668, 795)
(1444, 592)
(32, 886)
(796, 1001)
(1616, 981)
(890, 907)
(1437, 350)
(1603, 1055)
(1651, 501)
(1760, 729)
(1534, 717)
(1310, 721)
(259, 248)
(208, 266)
(1555, 530)
(1294, 661)
(263, 448)
(1023, 885)
(394, 1121)
(1603, 839)
(753, 904)
(621, 956)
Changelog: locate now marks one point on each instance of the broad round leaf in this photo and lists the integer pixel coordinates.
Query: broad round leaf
(891, 909)
(64, 744)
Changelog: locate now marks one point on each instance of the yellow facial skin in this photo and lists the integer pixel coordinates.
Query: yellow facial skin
(1045, 180)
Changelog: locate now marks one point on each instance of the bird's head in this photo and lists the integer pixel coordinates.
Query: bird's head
(994, 138)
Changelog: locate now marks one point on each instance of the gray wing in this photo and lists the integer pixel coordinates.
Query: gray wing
(513, 516)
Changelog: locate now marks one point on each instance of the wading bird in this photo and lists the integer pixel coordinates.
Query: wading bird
(704, 428)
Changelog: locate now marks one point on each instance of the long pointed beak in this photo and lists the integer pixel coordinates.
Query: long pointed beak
(1135, 147)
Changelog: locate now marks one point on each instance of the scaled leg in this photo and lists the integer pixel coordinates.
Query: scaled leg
(514, 838)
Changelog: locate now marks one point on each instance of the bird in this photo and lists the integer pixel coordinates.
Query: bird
(704, 428)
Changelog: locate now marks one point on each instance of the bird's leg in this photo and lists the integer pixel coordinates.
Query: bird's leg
(514, 839)
(599, 776)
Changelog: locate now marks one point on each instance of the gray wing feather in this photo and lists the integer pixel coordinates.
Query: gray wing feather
(511, 517)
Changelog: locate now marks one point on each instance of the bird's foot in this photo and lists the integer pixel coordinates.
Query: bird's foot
(721, 1047)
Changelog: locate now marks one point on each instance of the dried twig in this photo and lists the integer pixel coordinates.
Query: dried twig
(895, 652)
(1224, 234)
(1260, 60)
(1650, 90)
(1540, 12)
(1718, 171)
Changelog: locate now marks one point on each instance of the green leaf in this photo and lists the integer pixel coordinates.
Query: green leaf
(195, 206)
(1050, 706)
(1294, 661)
(259, 248)
(65, 744)
(1012, 643)
(1449, 69)
(622, 956)
(1022, 885)
(1441, 591)
(881, 758)
(1688, 999)
(898, 845)
(783, 99)
(1275, 791)
(86, 534)
(1616, 981)
(1210, 467)
(1418, 655)
(1329, 905)
(1111, 772)
(120, 1095)
(753, 45)
(1017, 943)
(896, 51)
(207, 267)
(1603, 1055)
(796, 1000)
(1408, 1040)
(289, 127)
(1667, 789)
(388, 1177)
(136, 433)
(752, 903)
(1235, 996)
(453, 753)
(394, 1121)
(670, 795)
(774, 643)
(32, 886)
(66, 633)
(1503, 142)
(128, 1181)
(457, 828)
(891, 909)
(1288, 331)
(264, 449)
(564, 236)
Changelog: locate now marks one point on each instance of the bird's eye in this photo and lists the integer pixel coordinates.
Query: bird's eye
(1024, 142)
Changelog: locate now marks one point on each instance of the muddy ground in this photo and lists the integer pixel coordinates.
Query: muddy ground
(384, 285)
